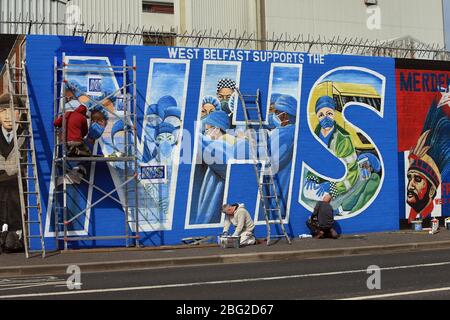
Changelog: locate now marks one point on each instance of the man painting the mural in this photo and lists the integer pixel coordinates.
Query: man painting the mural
(322, 221)
(10, 213)
(225, 91)
(240, 218)
(429, 163)
(76, 130)
(338, 141)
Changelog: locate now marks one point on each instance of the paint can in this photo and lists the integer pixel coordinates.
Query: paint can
(447, 223)
(416, 225)
(434, 226)
(230, 242)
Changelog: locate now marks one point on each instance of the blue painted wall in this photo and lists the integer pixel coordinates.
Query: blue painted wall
(252, 71)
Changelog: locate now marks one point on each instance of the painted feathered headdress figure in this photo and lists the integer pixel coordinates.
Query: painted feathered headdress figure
(429, 163)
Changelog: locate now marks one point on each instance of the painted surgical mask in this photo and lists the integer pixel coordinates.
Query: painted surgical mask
(165, 151)
(225, 106)
(327, 123)
(275, 120)
(165, 143)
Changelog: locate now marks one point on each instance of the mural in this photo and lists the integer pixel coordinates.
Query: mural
(99, 91)
(424, 143)
(224, 139)
(10, 213)
(328, 127)
(331, 95)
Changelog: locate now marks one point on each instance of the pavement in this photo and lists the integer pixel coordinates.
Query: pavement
(106, 260)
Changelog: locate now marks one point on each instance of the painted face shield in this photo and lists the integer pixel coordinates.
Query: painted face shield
(153, 120)
(213, 133)
(176, 122)
(364, 169)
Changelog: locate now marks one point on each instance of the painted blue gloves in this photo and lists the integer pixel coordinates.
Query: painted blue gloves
(321, 189)
(324, 188)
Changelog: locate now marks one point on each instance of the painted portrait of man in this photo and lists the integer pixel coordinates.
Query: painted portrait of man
(420, 191)
(429, 164)
(9, 188)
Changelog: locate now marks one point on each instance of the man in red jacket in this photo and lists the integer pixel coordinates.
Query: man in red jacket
(76, 130)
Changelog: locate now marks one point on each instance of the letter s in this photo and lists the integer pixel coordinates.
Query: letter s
(364, 168)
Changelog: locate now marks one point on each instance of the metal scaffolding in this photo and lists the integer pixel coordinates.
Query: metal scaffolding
(66, 164)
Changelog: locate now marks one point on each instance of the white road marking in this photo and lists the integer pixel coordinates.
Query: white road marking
(220, 282)
(398, 294)
(32, 286)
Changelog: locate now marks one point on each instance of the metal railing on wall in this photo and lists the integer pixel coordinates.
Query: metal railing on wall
(406, 47)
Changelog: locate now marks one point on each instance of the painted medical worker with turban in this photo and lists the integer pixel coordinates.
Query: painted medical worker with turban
(338, 141)
(225, 91)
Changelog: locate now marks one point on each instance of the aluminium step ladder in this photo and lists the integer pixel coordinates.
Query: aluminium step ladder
(24, 149)
(258, 136)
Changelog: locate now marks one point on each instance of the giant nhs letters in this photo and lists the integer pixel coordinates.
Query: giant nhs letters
(332, 124)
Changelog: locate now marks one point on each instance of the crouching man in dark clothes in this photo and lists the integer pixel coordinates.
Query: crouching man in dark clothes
(322, 220)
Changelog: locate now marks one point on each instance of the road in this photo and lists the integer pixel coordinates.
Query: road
(415, 275)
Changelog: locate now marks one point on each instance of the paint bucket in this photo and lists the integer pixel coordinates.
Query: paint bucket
(416, 225)
(447, 223)
(230, 242)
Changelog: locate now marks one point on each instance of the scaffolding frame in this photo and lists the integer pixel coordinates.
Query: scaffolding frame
(62, 160)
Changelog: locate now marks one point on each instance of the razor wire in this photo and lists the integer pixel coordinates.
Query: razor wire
(406, 47)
